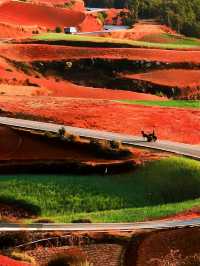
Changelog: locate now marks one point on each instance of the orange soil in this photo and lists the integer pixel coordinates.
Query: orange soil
(90, 23)
(12, 31)
(173, 124)
(34, 52)
(140, 31)
(170, 77)
(5, 261)
(19, 13)
(188, 215)
(77, 4)
(67, 89)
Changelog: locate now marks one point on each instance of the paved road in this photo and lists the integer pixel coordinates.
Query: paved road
(128, 227)
(192, 151)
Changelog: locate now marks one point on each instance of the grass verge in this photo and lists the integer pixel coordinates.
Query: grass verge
(160, 188)
(190, 44)
(170, 103)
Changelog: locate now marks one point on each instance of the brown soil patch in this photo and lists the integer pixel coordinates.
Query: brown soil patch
(97, 254)
(15, 210)
(168, 247)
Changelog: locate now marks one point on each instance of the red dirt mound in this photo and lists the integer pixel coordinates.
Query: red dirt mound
(28, 14)
(34, 52)
(90, 23)
(175, 124)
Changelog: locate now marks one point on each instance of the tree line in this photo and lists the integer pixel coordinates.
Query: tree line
(181, 15)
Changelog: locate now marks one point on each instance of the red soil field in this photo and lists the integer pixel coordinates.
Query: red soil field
(170, 77)
(175, 124)
(67, 89)
(27, 14)
(34, 52)
(5, 261)
(15, 83)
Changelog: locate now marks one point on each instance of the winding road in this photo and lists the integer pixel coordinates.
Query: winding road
(102, 227)
(191, 151)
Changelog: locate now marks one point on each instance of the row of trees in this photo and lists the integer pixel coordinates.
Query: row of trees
(106, 3)
(181, 15)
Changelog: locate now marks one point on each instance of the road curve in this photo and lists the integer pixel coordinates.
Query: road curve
(192, 151)
(102, 227)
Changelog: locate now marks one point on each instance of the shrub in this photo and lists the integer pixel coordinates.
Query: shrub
(72, 138)
(44, 220)
(58, 29)
(109, 149)
(22, 256)
(84, 221)
(61, 132)
(115, 144)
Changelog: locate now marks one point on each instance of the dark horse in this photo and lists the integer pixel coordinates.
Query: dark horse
(150, 137)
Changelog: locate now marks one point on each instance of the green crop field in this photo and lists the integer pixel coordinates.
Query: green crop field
(170, 103)
(173, 39)
(160, 188)
(186, 43)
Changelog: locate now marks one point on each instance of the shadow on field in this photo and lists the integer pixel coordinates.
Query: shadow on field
(11, 207)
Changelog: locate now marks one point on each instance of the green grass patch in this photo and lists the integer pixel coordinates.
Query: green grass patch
(170, 103)
(160, 188)
(173, 39)
(105, 40)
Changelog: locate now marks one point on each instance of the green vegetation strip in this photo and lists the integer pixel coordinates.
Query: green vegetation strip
(170, 103)
(170, 38)
(192, 43)
(158, 189)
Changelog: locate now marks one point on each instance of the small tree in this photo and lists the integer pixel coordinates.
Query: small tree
(58, 29)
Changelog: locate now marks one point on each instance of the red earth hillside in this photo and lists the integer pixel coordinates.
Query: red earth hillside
(28, 14)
